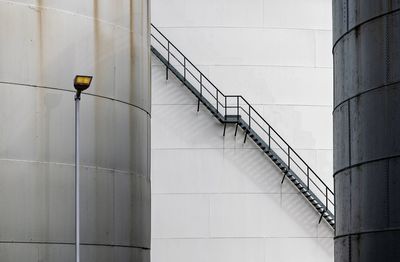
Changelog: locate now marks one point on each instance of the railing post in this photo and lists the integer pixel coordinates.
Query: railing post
(237, 114)
(326, 197)
(308, 178)
(201, 85)
(217, 101)
(249, 117)
(248, 131)
(269, 137)
(184, 68)
(288, 157)
(166, 72)
(201, 92)
(226, 107)
(237, 108)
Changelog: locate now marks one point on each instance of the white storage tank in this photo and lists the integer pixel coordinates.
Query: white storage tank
(43, 45)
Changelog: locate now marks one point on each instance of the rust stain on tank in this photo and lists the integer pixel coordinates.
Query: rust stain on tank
(97, 40)
(132, 50)
(39, 4)
(98, 76)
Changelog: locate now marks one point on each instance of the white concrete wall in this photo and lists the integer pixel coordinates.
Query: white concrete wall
(215, 198)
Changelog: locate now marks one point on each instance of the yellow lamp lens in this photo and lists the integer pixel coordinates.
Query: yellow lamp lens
(83, 80)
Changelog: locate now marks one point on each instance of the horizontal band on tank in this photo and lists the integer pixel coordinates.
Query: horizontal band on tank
(369, 232)
(365, 92)
(365, 162)
(99, 168)
(72, 243)
(73, 91)
(361, 24)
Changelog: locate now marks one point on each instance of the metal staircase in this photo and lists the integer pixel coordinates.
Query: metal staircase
(234, 109)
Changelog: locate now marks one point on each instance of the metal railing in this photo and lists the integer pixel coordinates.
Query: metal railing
(237, 107)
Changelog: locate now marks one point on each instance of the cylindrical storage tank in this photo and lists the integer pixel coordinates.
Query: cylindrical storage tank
(366, 130)
(44, 44)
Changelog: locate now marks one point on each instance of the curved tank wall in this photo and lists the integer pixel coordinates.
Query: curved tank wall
(366, 128)
(44, 44)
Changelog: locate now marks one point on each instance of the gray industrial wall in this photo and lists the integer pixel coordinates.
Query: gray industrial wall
(43, 45)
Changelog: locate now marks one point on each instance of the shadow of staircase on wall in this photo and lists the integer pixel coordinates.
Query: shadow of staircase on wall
(235, 110)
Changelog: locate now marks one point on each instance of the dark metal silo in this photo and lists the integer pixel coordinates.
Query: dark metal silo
(367, 129)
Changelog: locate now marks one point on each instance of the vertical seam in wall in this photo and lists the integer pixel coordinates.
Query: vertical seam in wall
(387, 48)
(350, 248)
(387, 192)
(387, 62)
(349, 134)
(349, 126)
(347, 15)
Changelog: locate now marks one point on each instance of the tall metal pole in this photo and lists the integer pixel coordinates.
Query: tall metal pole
(77, 225)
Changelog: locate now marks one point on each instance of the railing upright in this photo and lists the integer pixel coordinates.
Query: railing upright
(166, 72)
(237, 108)
(184, 68)
(249, 117)
(217, 100)
(201, 92)
(269, 137)
(226, 108)
(326, 197)
(201, 85)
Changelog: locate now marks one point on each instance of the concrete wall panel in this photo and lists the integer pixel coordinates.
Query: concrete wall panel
(277, 54)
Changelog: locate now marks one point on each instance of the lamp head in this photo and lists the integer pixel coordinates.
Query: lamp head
(81, 83)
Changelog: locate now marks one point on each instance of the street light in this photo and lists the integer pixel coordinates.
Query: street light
(81, 83)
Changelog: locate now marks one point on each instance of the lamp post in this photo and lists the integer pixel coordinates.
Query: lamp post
(81, 83)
